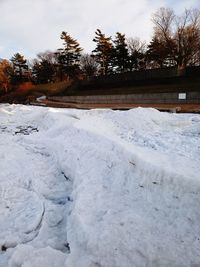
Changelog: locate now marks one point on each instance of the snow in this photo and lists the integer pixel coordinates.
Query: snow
(99, 188)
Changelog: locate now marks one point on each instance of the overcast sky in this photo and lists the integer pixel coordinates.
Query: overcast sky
(32, 26)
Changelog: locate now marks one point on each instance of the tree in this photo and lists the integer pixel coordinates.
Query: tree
(158, 54)
(103, 52)
(120, 53)
(6, 72)
(43, 72)
(44, 68)
(88, 65)
(20, 68)
(137, 50)
(69, 56)
(180, 36)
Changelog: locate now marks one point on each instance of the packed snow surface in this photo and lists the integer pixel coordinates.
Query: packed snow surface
(99, 188)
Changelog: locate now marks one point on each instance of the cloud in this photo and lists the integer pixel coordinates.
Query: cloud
(30, 26)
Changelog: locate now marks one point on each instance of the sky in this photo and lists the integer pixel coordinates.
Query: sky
(33, 26)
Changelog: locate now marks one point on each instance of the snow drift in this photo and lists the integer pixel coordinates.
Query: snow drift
(99, 188)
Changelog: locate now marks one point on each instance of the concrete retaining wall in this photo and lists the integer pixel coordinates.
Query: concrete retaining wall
(172, 98)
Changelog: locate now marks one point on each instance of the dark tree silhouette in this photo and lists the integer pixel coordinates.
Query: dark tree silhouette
(120, 53)
(137, 51)
(44, 68)
(20, 67)
(158, 54)
(69, 56)
(103, 53)
(88, 65)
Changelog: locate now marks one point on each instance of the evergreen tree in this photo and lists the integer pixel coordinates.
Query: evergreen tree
(103, 52)
(158, 54)
(44, 67)
(120, 54)
(43, 71)
(20, 68)
(69, 55)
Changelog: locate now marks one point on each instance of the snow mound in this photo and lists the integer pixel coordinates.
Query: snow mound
(99, 188)
(20, 211)
(27, 256)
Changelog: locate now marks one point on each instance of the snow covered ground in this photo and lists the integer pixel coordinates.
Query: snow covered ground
(99, 188)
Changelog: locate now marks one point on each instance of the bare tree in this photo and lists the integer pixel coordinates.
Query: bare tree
(136, 50)
(88, 65)
(163, 22)
(135, 44)
(180, 35)
(48, 56)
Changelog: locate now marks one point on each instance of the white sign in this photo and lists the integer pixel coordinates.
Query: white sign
(182, 96)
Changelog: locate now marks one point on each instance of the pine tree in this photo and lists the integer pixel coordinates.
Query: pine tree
(157, 53)
(120, 55)
(20, 68)
(69, 56)
(103, 52)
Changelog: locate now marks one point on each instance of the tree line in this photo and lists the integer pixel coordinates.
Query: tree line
(175, 42)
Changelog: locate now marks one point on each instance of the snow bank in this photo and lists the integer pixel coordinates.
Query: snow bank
(99, 188)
